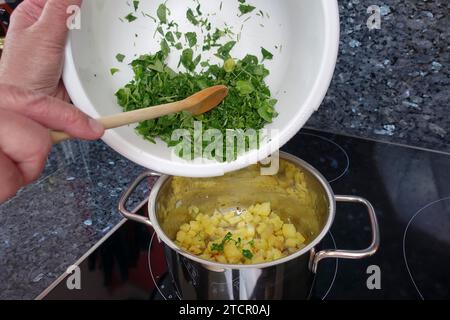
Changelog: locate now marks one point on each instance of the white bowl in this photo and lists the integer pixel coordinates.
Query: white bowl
(307, 31)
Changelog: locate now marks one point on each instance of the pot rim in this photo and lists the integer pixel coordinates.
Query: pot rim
(219, 266)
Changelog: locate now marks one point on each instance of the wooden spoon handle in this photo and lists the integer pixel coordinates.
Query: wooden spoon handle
(126, 118)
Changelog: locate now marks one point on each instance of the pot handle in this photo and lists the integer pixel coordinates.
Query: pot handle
(352, 254)
(126, 196)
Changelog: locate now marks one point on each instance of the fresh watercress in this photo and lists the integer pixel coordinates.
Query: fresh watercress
(120, 57)
(246, 8)
(249, 104)
(267, 55)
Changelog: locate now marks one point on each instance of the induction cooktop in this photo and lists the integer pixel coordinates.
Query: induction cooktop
(408, 187)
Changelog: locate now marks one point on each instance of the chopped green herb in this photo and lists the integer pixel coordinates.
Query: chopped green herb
(191, 17)
(136, 4)
(130, 17)
(267, 55)
(114, 71)
(170, 37)
(120, 57)
(246, 8)
(212, 40)
(248, 106)
(217, 247)
(191, 37)
(224, 51)
(198, 10)
(247, 254)
(161, 12)
(165, 47)
(220, 246)
(149, 16)
(244, 87)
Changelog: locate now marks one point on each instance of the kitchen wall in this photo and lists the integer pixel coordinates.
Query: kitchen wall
(392, 83)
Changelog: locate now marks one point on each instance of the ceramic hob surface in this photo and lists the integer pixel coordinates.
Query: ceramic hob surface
(409, 189)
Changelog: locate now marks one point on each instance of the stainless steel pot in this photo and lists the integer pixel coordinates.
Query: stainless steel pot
(287, 278)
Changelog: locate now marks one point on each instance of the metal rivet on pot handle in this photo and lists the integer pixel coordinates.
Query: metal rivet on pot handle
(352, 254)
(126, 196)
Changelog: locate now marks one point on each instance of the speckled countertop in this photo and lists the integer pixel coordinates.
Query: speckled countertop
(390, 84)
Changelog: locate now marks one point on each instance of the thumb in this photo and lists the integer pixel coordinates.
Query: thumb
(54, 18)
(26, 14)
(50, 112)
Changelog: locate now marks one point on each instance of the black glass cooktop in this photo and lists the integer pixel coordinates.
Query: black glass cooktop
(409, 188)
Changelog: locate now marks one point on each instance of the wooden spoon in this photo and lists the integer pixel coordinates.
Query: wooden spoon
(196, 104)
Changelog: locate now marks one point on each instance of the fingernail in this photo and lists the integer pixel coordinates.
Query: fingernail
(96, 126)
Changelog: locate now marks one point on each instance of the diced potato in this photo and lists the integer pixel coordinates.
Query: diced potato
(260, 228)
(185, 227)
(195, 249)
(247, 217)
(277, 223)
(250, 231)
(191, 233)
(276, 242)
(229, 215)
(234, 220)
(289, 231)
(221, 259)
(267, 232)
(276, 254)
(232, 253)
(292, 243)
(209, 230)
(225, 238)
(181, 236)
(223, 223)
(263, 209)
(241, 225)
(300, 237)
(195, 226)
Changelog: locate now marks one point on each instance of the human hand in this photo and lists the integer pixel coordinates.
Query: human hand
(33, 59)
(25, 120)
(34, 47)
